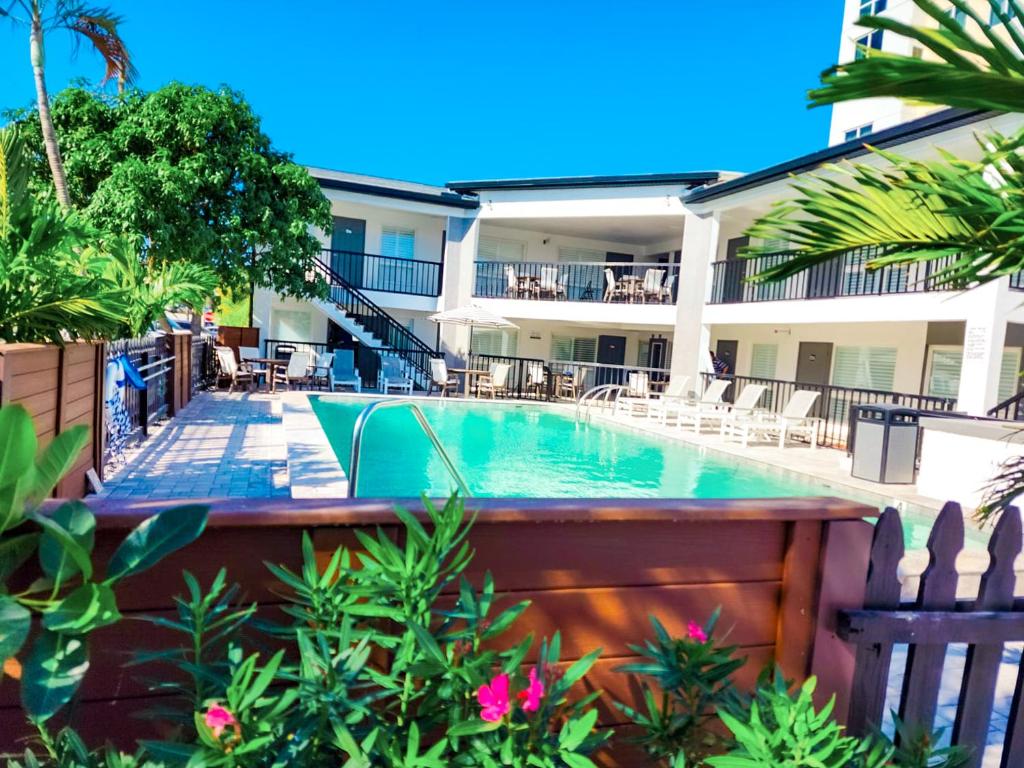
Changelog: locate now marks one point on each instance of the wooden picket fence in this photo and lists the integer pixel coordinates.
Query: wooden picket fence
(932, 622)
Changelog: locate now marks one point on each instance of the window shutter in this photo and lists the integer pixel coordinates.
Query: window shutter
(763, 359)
(561, 347)
(584, 350)
(944, 376)
(568, 253)
(494, 341)
(499, 249)
(1009, 374)
(399, 243)
(643, 353)
(864, 367)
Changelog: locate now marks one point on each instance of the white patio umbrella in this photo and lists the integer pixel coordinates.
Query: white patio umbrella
(472, 316)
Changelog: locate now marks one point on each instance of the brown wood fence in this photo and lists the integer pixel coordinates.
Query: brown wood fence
(596, 570)
(929, 624)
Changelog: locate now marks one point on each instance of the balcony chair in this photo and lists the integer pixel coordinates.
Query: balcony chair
(536, 379)
(320, 375)
(441, 379)
(638, 395)
(562, 287)
(343, 371)
(548, 282)
(299, 369)
(392, 376)
(713, 415)
(651, 287)
(713, 397)
(229, 370)
(667, 289)
(613, 289)
(512, 289)
(675, 392)
(495, 382)
(795, 419)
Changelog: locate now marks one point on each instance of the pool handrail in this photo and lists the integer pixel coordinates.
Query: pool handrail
(592, 395)
(357, 442)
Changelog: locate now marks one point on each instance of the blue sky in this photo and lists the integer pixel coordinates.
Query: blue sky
(451, 90)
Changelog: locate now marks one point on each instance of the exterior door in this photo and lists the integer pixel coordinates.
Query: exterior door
(813, 368)
(612, 256)
(726, 351)
(348, 238)
(611, 350)
(734, 270)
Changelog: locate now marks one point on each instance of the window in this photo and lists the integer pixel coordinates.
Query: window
(872, 40)
(994, 20)
(763, 361)
(859, 132)
(495, 341)
(500, 249)
(290, 325)
(943, 372)
(567, 253)
(400, 243)
(860, 368)
(872, 7)
(580, 349)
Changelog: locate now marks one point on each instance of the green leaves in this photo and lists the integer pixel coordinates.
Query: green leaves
(67, 542)
(89, 607)
(56, 460)
(156, 538)
(52, 673)
(15, 622)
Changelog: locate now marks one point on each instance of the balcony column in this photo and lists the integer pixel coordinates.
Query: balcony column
(984, 339)
(460, 251)
(692, 338)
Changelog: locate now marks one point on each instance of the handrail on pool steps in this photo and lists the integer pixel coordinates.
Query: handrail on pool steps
(600, 392)
(357, 442)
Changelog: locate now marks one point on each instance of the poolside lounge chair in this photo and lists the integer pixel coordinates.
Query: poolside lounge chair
(392, 376)
(638, 395)
(718, 414)
(440, 378)
(320, 375)
(298, 371)
(229, 370)
(343, 371)
(794, 420)
(675, 392)
(494, 382)
(713, 397)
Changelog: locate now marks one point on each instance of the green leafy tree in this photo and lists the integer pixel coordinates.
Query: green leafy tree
(191, 171)
(97, 25)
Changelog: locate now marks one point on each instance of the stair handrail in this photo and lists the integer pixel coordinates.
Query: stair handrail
(602, 391)
(1010, 402)
(360, 427)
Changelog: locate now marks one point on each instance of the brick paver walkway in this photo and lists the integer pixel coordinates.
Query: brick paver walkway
(220, 445)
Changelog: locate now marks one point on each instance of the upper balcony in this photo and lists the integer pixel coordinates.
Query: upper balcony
(589, 281)
(386, 274)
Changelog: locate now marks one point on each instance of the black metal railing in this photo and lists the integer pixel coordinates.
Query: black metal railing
(527, 376)
(281, 349)
(394, 337)
(204, 362)
(152, 357)
(845, 275)
(372, 272)
(1017, 281)
(1010, 409)
(576, 281)
(835, 404)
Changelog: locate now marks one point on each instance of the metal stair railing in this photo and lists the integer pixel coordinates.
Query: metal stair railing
(602, 392)
(357, 442)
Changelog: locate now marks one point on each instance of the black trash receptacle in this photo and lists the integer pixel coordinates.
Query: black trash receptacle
(885, 445)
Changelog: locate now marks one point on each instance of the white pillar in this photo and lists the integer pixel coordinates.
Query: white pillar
(459, 273)
(984, 339)
(692, 338)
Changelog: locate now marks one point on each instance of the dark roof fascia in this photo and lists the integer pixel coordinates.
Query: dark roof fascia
(576, 182)
(449, 199)
(928, 125)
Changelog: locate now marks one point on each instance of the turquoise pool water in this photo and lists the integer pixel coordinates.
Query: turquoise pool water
(513, 450)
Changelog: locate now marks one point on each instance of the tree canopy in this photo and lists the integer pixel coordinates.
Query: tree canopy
(191, 171)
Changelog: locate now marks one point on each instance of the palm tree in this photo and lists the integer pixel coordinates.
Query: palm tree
(97, 25)
(968, 212)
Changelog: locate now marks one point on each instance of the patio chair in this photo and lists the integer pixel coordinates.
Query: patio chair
(794, 420)
(613, 289)
(667, 289)
(536, 379)
(713, 397)
(495, 382)
(343, 371)
(229, 370)
(562, 287)
(440, 378)
(245, 355)
(392, 376)
(512, 289)
(323, 364)
(675, 392)
(651, 288)
(549, 282)
(571, 382)
(638, 395)
(298, 370)
(712, 415)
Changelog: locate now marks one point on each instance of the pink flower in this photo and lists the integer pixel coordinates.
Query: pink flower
(532, 695)
(696, 632)
(493, 699)
(217, 718)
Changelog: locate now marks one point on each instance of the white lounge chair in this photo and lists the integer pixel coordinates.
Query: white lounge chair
(298, 371)
(495, 382)
(638, 395)
(714, 415)
(343, 371)
(392, 376)
(713, 397)
(440, 378)
(228, 369)
(675, 392)
(794, 420)
(536, 379)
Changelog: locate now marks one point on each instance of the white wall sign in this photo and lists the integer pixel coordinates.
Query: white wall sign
(975, 343)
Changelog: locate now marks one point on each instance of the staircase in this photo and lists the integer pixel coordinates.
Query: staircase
(351, 309)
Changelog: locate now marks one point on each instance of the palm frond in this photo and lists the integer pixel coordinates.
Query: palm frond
(1002, 491)
(101, 27)
(976, 68)
(967, 212)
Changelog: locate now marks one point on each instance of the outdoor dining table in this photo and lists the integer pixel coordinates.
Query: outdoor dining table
(631, 285)
(272, 363)
(528, 285)
(468, 374)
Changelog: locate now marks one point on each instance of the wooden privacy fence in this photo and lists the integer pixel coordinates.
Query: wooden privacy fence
(596, 570)
(932, 622)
